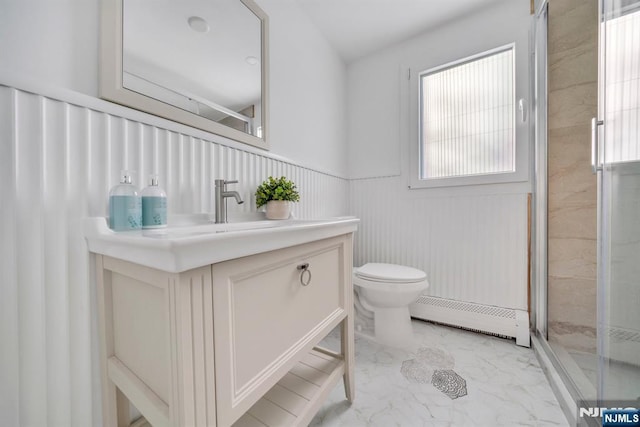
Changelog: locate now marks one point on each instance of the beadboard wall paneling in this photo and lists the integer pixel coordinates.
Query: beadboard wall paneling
(472, 247)
(57, 164)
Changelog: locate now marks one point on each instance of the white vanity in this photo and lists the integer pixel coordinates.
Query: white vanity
(218, 325)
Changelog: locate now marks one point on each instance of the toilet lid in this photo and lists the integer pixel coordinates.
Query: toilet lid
(390, 273)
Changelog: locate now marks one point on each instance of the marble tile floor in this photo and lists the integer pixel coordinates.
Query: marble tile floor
(500, 384)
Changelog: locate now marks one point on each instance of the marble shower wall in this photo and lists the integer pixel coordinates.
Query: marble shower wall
(572, 191)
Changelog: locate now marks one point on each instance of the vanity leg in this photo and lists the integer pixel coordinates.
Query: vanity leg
(348, 351)
(347, 332)
(122, 405)
(115, 411)
(115, 406)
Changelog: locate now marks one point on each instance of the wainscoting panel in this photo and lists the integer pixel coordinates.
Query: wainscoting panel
(472, 247)
(57, 163)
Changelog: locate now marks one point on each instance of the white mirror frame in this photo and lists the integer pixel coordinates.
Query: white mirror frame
(111, 88)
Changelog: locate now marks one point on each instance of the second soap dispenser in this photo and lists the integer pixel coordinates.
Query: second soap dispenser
(154, 205)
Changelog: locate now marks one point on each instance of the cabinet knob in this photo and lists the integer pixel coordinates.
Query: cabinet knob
(305, 274)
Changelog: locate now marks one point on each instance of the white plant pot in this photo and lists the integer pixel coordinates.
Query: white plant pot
(278, 209)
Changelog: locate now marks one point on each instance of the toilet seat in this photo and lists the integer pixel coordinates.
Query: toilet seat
(389, 277)
(389, 273)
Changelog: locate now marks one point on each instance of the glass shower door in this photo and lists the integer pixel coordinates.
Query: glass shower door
(616, 154)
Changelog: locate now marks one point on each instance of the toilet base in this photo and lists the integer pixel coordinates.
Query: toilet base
(393, 326)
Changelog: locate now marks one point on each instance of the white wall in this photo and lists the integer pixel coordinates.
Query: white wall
(308, 90)
(470, 240)
(374, 82)
(56, 42)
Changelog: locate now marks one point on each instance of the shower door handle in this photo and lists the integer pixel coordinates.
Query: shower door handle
(595, 146)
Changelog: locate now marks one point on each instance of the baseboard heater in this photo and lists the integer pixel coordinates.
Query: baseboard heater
(624, 346)
(478, 317)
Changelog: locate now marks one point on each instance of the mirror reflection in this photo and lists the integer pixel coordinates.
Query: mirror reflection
(201, 56)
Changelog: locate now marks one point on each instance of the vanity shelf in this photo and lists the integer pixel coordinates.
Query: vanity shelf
(298, 395)
(233, 341)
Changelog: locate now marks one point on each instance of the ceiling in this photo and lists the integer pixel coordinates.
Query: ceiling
(356, 28)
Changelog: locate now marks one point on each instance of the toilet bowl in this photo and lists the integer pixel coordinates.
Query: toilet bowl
(386, 290)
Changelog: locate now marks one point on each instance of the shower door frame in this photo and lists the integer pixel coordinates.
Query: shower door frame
(565, 388)
(539, 272)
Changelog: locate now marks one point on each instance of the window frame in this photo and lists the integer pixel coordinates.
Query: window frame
(520, 126)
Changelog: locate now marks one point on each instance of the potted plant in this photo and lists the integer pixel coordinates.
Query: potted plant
(277, 194)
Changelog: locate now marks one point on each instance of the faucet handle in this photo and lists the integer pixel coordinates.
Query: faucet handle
(223, 182)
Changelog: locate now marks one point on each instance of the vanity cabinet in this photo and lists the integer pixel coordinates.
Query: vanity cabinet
(233, 342)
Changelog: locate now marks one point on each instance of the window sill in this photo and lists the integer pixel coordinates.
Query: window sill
(465, 181)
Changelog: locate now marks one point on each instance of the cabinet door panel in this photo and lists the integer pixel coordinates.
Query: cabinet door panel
(265, 316)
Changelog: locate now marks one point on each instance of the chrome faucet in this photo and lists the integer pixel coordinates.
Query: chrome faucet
(221, 199)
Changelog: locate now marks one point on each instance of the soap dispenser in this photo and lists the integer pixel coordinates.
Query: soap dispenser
(125, 205)
(154, 205)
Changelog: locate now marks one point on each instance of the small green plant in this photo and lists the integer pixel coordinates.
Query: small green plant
(276, 189)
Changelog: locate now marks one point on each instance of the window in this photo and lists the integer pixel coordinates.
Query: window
(622, 87)
(467, 123)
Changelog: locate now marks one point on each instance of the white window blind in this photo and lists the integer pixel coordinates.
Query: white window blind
(622, 92)
(467, 117)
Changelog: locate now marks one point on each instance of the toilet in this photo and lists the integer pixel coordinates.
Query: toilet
(383, 292)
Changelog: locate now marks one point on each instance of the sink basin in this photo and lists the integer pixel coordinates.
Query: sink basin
(207, 228)
(193, 240)
(200, 229)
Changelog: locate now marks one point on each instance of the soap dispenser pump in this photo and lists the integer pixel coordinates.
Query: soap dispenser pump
(154, 205)
(125, 205)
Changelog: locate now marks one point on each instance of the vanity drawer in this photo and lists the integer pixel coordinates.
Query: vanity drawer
(265, 316)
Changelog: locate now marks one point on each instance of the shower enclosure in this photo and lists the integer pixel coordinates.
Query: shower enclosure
(591, 334)
(616, 158)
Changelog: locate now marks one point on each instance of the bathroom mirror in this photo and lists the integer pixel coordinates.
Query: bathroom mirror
(202, 63)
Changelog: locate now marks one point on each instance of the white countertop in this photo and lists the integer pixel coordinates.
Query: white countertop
(181, 248)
